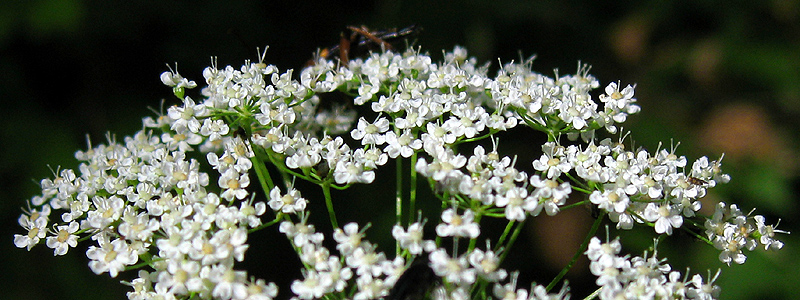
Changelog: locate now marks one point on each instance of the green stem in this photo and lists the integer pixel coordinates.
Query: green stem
(285, 170)
(263, 175)
(579, 203)
(477, 138)
(696, 235)
(398, 199)
(412, 192)
(578, 253)
(475, 240)
(593, 294)
(326, 190)
(512, 240)
(265, 225)
(398, 191)
(582, 186)
(503, 236)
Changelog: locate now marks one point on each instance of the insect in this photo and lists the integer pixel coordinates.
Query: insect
(359, 43)
(416, 283)
(695, 181)
(362, 39)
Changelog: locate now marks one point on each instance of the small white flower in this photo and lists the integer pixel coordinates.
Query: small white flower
(603, 253)
(36, 225)
(412, 239)
(258, 289)
(64, 238)
(552, 162)
(517, 202)
(509, 291)
(107, 210)
(111, 257)
(487, 264)
(458, 225)
(214, 129)
(370, 288)
(348, 172)
(768, 233)
(403, 145)
(174, 79)
(300, 233)
(454, 270)
(551, 193)
(610, 200)
(703, 290)
(230, 284)
(180, 277)
(366, 261)
(291, 203)
(665, 217)
(234, 185)
(371, 134)
(348, 239)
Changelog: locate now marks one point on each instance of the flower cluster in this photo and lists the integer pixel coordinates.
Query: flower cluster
(144, 201)
(642, 277)
(731, 231)
(146, 204)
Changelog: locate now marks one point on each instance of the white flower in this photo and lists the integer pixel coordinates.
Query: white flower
(307, 153)
(610, 200)
(214, 129)
(64, 238)
(174, 79)
(370, 134)
(458, 225)
(107, 210)
(250, 214)
(300, 233)
(665, 217)
(509, 291)
(36, 225)
(366, 261)
(454, 270)
(230, 284)
(348, 172)
(487, 264)
(370, 288)
(348, 239)
(517, 202)
(603, 253)
(137, 226)
(291, 203)
(412, 239)
(279, 113)
(551, 162)
(403, 145)
(111, 257)
(768, 233)
(731, 243)
(440, 133)
(180, 277)
(234, 184)
(704, 290)
(552, 193)
(258, 289)
(142, 286)
(445, 165)
(185, 117)
(371, 158)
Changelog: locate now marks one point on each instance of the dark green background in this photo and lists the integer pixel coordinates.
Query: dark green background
(716, 76)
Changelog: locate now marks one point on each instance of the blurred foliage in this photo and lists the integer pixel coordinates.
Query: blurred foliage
(718, 77)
